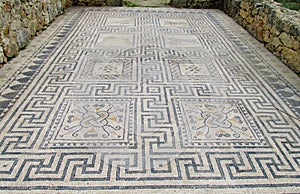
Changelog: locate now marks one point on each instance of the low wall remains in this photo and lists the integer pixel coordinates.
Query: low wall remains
(20, 20)
(197, 4)
(275, 26)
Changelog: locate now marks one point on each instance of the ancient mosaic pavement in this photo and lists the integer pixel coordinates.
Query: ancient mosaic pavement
(124, 98)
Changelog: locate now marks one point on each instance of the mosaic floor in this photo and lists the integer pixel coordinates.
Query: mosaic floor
(155, 99)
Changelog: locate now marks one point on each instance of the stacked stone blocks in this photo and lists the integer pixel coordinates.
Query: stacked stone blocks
(198, 4)
(20, 20)
(275, 26)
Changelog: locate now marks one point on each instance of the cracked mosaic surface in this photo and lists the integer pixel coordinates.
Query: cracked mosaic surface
(143, 98)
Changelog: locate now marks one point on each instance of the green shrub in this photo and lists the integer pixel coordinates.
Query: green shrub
(131, 4)
(290, 4)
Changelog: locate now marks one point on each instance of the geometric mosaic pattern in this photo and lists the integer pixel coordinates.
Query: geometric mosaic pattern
(125, 98)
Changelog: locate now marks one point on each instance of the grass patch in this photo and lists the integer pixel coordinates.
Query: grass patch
(293, 6)
(290, 4)
(131, 4)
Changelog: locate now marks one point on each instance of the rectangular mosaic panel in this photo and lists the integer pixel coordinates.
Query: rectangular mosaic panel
(211, 122)
(93, 123)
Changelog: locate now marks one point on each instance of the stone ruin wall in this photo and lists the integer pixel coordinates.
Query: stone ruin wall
(21, 20)
(277, 27)
(197, 4)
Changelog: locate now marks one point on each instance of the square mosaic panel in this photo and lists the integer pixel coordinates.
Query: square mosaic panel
(193, 70)
(181, 41)
(93, 123)
(117, 21)
(211, 122)
(115, 40)
(165, 22)
(115, 69)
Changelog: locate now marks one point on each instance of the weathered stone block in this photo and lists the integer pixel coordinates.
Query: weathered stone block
(274, 31)
(275, 42)
(291, 56)
(245, 5)
(266, 36)
(10, 47)
(285, 39)
(23, 38)
(296, 44)
(2, 57)
(33, 27)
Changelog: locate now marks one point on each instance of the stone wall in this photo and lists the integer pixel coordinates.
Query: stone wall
(198, 4)
(20, 20)
(99, 2)
(277, 27)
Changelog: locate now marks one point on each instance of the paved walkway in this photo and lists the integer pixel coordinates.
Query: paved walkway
(154, 99)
